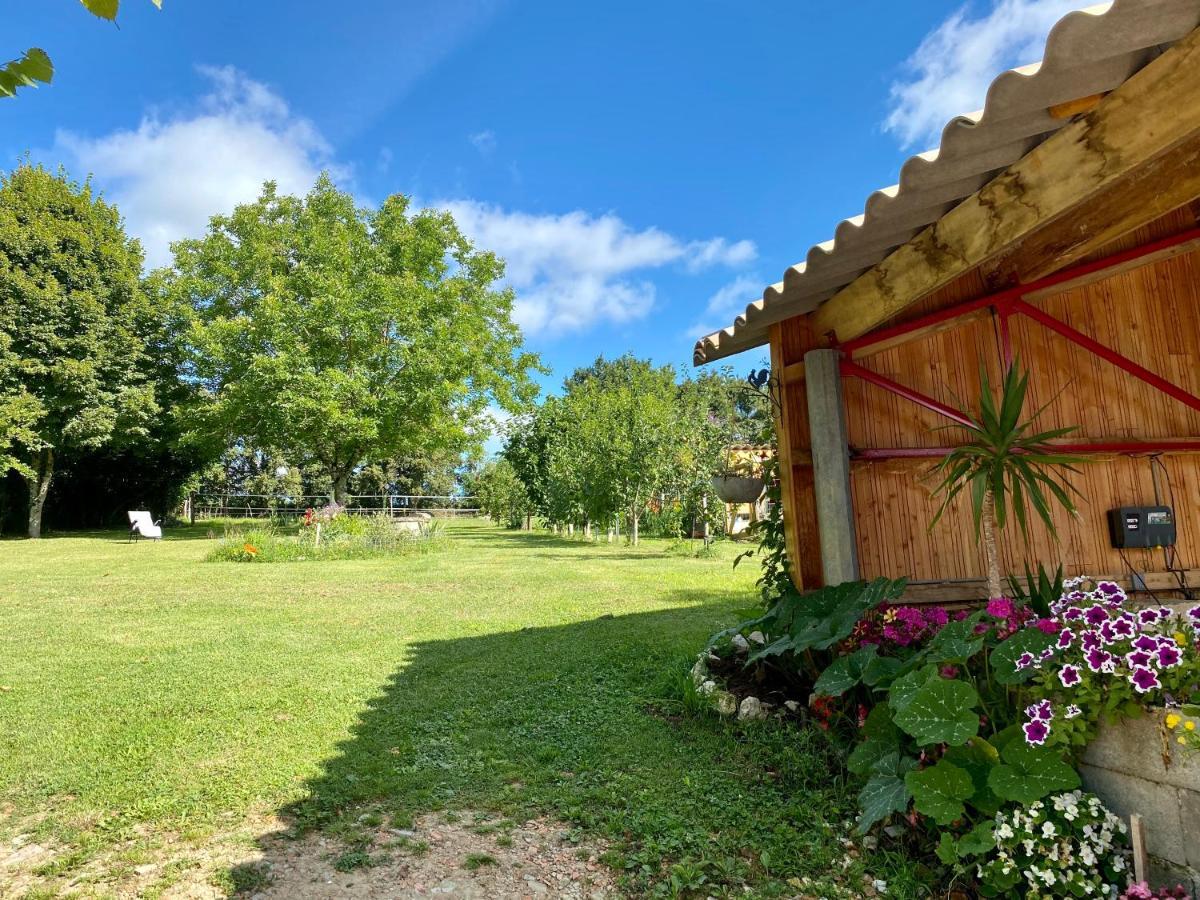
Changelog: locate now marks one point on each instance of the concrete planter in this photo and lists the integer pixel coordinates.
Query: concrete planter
(1134, 768)
(737, 488)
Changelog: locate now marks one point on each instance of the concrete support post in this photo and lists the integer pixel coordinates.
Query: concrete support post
(831, 466)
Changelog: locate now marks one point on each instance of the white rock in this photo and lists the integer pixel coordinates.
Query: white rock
(740, 644)
(792, 706)
(751, 709)
(725, 703)
(706, 688)
(757, 637)
(699, 672)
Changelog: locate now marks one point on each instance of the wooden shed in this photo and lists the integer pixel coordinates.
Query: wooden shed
(1058, 225)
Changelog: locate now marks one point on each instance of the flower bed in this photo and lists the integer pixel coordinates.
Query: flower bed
(968, 727)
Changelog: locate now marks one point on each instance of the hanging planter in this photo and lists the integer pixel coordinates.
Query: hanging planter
(737, 488)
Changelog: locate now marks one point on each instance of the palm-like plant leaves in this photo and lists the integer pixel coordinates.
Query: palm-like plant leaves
(1007, 459)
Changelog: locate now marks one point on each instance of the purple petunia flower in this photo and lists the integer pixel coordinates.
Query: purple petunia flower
(1073, 614)
(1137, 658)
(1089, 640)
(1111, 592)
(1165, 612)
(1025, 660)
(1095, 615)
(1096, 659)
(1066, 637)
(1147, 617)
(1036, 732)
(1123, 628)
(1043, 711)
(1169, 656)
(1073, 711)
(1144, 679)
(1107, 634)
(1194, 615)
(1146, 642)
(1069, 675)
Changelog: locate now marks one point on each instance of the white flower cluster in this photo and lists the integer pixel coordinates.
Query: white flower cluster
(1066, 846)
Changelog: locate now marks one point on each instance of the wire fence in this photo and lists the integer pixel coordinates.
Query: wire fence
(264, 506)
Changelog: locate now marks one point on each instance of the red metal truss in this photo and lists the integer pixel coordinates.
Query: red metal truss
(1009, 303)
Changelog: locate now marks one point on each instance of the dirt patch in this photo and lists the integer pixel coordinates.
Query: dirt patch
(463, 855)
(472, 857)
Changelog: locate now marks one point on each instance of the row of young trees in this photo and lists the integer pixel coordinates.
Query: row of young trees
(335, 337)
(622, 438)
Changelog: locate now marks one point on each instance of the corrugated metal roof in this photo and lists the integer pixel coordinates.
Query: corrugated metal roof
(1090, 51)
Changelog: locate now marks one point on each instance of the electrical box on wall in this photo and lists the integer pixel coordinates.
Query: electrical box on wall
(1141, 526)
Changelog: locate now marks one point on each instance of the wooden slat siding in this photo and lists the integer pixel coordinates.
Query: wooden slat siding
(1150, 314)
(789, 341)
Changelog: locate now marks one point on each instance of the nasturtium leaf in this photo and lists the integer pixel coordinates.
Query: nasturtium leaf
(886, 791)
(940, 791)
(882, 739)
(844, 672)
(947, 849)
(880, 668)
(1029, 773)
(979, 839)
(906, 686)
(1004, 657)
(977, 758)
(775, 648)
(940, 712)
(956, 641)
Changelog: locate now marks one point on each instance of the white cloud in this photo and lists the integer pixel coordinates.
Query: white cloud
(170, 174)
(950, 71)
(729, 302)
(575, 270)
(483, 141)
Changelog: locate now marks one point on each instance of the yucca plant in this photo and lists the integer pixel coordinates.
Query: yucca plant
(1006, 467)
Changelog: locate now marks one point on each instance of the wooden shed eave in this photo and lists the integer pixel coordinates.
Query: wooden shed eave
(1131, 159)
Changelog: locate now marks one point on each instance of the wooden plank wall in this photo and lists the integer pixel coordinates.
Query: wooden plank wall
(1150, 314)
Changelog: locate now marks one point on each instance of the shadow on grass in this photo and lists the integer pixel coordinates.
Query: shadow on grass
(579, 722)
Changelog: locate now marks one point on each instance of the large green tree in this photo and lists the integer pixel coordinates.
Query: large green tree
(73, 361)
(342, 336)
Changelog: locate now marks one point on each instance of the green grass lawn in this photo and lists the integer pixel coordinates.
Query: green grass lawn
(145, 692)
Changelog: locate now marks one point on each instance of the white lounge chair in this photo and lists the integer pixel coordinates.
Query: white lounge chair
(142, 525)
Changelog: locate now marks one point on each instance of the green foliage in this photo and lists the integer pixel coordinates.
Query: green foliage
(501, 494)
(31, 67)
(341, 335)
(940, 791)
(1030, 773)
(1004, 458)
(1004, 658)
(886, 791)
(627, 439)
(941, 711)
(74, 364)
(817, 620)
(1038, 592)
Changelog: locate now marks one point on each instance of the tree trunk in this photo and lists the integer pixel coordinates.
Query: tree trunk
(39, 487)
(634, 529)
(339, 487)
(990, 550)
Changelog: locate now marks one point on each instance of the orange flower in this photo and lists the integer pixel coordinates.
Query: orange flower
(250, 549)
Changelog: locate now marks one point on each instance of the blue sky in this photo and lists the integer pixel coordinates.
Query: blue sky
(646, 168)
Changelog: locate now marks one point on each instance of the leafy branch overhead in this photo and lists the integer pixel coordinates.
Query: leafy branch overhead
(34, 65)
